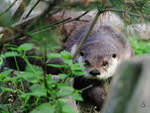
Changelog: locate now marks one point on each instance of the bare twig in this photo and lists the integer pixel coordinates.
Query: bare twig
(32, 9)
(64, 21)
(9, 8)
(36, 18)
(130, 13)
(86, 35)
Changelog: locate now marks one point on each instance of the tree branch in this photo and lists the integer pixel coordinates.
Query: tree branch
(86, 36)
(32, 9)
(9, 8)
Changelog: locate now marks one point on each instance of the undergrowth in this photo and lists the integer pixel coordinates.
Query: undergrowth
(140, 46)
(35, 91)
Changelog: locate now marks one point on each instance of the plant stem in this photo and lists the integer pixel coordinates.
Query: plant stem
(86, 35)
(45, 68)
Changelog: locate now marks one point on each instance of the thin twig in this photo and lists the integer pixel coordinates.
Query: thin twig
(123, 11)
(32, 9)
(64, 21)
(67, 20)
(89, 86)
(86, 35)
(8, 8)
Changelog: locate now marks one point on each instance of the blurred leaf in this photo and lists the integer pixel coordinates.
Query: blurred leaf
(65, 55)
(29, 76)
(53, 55)
(11, 54)
(8, 89)
(77, 96)
(37, 91)
(25, 47)
(67, 109)
(63, 76)
(140, 46)
(43, 108)
(65, 87)
(33, 68)
(5, 74)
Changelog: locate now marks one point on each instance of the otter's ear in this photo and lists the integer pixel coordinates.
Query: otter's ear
(73, 49)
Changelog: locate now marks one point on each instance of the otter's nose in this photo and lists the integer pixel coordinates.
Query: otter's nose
(94, 72)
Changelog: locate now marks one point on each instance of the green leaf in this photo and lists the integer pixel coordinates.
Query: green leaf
(77, 67)
(12, 79)
(67, 109)
(25, 47)
(30, 68)
(5, 74)
(63, 93)
(56, 65)
(77, 96)
(29, 76)
(78, 73)
(8, 89)
(37, 91)
(53, 55)
(11, 54)
(65, 87)
(65, 55)
(63, 76)
(68, 61)
(43, 108)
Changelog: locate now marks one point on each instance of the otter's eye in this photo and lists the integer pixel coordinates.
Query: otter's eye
(81, 53)
(114, 55)
(105, 63)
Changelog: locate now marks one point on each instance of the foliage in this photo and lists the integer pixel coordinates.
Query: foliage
(140, 46)
(35, 91)
(28, 89)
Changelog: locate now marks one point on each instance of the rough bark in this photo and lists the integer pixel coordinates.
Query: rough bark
(130, 88)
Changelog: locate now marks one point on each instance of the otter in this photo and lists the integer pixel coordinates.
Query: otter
(104, 49)
(102, 52)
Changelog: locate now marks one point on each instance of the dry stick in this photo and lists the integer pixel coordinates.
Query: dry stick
(32, 9)
(64, 21)
(51, 5)
(67, 20)
(130, 13)
(86, 36)
(9, 7)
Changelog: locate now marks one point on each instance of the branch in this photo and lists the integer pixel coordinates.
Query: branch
(86, 36)
(64, 21)
(36, 18)
(9, 8)
(130, 13)
(67, 20)
(31, 9)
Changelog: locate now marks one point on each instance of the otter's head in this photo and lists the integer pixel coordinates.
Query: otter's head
(100, 60)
